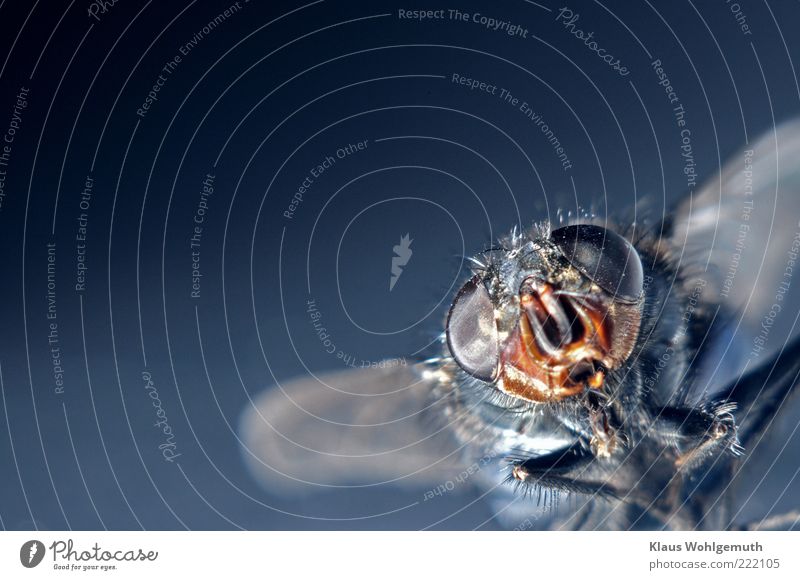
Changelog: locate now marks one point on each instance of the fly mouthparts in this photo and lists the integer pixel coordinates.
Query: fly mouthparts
(553, 319)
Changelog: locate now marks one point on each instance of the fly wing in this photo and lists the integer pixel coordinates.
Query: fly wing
(740, 234)
(358, 427)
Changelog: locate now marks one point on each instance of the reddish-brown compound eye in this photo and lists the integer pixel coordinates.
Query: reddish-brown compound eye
(472, 332)
(603, 256)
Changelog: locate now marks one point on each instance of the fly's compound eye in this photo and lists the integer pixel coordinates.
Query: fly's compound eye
(603, 256)
(472, 332)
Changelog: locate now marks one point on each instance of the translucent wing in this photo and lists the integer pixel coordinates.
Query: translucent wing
(358, 427)
(741, 233)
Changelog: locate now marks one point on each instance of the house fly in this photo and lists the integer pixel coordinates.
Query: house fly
(627, 367)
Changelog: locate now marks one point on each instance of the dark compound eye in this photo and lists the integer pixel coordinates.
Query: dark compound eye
(472, 332)
(603, 256)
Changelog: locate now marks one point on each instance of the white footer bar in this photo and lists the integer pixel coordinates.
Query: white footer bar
(408, 555)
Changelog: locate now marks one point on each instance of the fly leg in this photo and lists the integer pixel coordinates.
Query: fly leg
(763, 391)
(697, 433)
(560, 471)
(605, 438)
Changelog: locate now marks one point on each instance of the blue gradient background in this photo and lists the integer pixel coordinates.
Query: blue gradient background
(271, 92)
